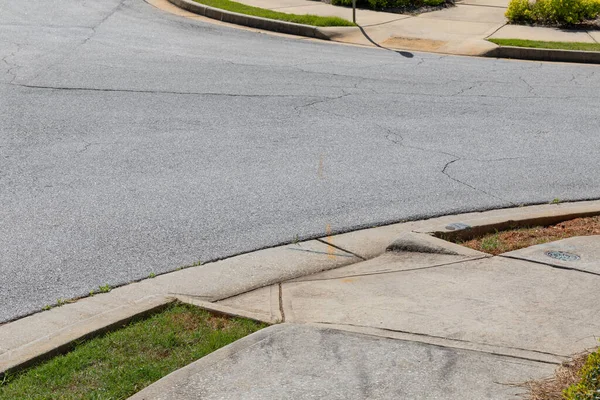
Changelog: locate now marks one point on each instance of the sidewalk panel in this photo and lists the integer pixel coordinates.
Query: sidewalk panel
(301, 362)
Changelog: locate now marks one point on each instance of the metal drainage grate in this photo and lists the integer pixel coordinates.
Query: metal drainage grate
(562, 255)
(457, 226)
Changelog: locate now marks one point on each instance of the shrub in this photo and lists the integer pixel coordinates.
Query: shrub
(553, 12)
(589, 386)
(383, 4)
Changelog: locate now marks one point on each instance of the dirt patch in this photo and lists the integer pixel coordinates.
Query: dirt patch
(190, 322)
(413, 44)
(566, 374)
(514, 239)
(218, 322)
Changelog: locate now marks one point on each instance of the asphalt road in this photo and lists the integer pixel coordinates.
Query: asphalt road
(134, 141)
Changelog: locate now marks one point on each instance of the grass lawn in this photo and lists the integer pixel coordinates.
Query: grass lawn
(547, 45)
(306, 19)
(118, 364)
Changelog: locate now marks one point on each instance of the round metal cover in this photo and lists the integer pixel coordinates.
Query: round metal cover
(562, 255)
(457, 226)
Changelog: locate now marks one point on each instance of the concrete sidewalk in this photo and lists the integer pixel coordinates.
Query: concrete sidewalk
(426, 320)
(456, 30)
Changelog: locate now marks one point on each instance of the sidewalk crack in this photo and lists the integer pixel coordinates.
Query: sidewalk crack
(281, 310)
(340, 248)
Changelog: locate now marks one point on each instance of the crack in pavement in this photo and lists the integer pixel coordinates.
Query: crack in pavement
(398, 139)
(444, 171)
(60, 88)
(103, 20)
(325, 100)
(530, 88)
(84, 41)
(12, 65)
(457, 158)
(462, 91)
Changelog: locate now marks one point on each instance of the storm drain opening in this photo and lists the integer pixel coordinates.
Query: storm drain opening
(562, 255)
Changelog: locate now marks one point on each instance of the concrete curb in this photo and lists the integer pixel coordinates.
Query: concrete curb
(477, 47)
(425, 243)
(61, 341)
(524, 53)
(221, 309)
(42, 335)
(254, 22)
(467, 229)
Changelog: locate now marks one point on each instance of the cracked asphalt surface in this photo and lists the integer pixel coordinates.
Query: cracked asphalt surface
(134, 141)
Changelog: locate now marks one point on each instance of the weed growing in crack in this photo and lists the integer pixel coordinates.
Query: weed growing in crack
(490, 243)
(104, 289)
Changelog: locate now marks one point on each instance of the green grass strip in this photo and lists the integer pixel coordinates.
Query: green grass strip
(306, 19)
(121, 363)
(536, 44)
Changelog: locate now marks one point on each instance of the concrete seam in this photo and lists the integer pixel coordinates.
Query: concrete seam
(281, 310)
(399, 271)
(340, 248)
(220, 309)
(454, 340)
(550, 265)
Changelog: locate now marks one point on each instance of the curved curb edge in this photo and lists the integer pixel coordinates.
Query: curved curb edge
(526, 53)
(252, 21)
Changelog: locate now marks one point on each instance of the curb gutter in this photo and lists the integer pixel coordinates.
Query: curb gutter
(526, 53)
(251, 21)
(45, 334)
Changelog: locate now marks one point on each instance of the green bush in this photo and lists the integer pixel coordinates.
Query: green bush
(383, 4)
(589, 386)
(553, 12)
